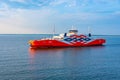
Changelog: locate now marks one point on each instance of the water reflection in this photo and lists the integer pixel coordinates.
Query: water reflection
(54, 51)
(63, 54)
(75, 50)
(67, 61)
(58, 51)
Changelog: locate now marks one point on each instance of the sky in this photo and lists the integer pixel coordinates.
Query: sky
(41, 16)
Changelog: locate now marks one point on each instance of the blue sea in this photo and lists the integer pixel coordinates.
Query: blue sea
(19, 62)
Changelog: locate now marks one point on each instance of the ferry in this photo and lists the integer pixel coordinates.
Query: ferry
(70, 39)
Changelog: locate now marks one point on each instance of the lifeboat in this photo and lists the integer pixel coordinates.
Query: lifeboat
(70, 39)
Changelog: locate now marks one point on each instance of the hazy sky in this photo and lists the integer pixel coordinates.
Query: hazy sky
(40, 16)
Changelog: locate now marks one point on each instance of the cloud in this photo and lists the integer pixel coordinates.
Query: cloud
(21, 1)
(4, 10)
(18, 20)
(67, 3)
(62, 13)
(58, 2)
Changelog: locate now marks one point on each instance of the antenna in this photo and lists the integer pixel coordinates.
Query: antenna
(73, 27)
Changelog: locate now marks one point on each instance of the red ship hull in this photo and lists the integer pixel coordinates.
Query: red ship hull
(49, 43)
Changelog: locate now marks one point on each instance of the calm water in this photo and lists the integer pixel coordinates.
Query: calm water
(18, 62)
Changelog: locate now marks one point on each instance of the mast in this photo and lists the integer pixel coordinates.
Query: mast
(54, 30)
(89, 31)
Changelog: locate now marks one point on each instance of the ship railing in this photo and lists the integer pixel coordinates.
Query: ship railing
(51, 39)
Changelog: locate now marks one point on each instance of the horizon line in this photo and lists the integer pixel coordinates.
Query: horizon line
(57, 34)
